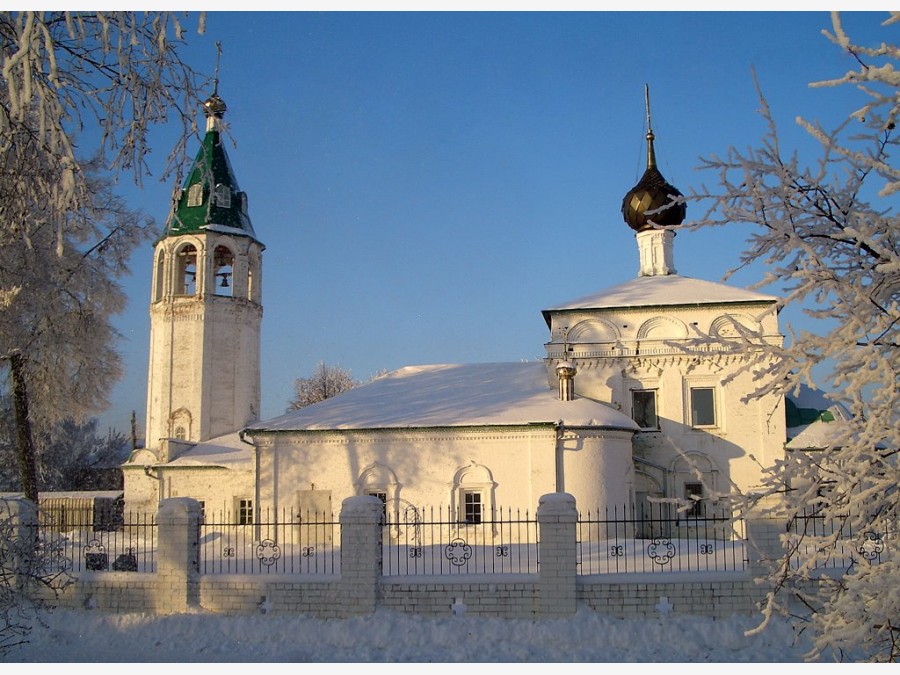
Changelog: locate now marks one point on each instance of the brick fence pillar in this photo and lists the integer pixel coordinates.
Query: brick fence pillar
(765, 527)
(361, 553)
(557, 516)
(177, 556)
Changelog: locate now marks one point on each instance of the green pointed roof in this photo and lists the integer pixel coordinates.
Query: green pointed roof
(210, 199)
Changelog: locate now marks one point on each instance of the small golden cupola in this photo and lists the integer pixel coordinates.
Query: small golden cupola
(650, 208)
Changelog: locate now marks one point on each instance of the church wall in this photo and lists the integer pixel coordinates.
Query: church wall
(141, 490)
(510, 469)
(217, 488)
(622, 350)
(232, 362)
(597, 468)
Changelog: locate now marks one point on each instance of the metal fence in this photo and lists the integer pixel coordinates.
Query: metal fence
(660, 539)
(439, 541)
(117, 542)
(282, 542)
(832, 543)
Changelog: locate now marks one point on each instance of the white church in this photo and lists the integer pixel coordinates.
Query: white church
(639, 394)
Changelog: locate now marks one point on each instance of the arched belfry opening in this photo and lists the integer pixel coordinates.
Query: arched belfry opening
(223, 271)
(186, 270)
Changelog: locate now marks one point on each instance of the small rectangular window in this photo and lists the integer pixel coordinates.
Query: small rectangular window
(195, 195)
(244, 511)
(643, 408)
(223, 196)
(472, 507)
(703, 407)
(693, 493)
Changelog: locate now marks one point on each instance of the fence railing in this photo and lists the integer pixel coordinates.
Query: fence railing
(430, 541)
(115, 542)
(282, 542)
(833, 543)
(659, 539)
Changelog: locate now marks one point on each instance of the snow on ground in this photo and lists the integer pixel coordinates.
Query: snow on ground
(391, 637)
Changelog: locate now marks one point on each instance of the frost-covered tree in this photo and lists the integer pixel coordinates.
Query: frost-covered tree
(96, 82)
(326, 381)
(70, 455)
(829, 235)
(33, 571)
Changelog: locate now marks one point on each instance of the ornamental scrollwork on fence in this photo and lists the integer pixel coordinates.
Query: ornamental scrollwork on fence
(415, 551)
(661, 550)
(501, 551)
(308, 551)
(871, 547)
(458, 552)
(413, 521)
(706, 549)
(95, 556)
(617, 550)
(268, 552)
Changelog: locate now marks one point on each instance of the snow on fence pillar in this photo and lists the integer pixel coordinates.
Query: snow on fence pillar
(177, 561)
(361, 553)
(764, 545)
(557, 516)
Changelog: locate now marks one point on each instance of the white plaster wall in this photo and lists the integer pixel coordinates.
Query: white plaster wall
(597, 469)
(216, 487)
(204, 349)
(651, 348)
(521, 464)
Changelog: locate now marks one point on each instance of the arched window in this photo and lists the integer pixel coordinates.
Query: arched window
(695, 479)
(473, 494)
(223, 271)
(186, 278)
(180, 424)
(379, 481)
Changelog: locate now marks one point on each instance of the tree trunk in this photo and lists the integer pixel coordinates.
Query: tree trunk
(24, 438)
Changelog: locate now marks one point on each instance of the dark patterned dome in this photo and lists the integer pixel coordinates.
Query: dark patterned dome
(652, 192)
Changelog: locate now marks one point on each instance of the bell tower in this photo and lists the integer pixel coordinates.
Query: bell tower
(205, 306)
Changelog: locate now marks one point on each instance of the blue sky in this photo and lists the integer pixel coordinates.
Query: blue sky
(426, 183)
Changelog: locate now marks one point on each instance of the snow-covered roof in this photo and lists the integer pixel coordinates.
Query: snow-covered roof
(662, 290)
(826, 432)
(228, 452)
(450, 396)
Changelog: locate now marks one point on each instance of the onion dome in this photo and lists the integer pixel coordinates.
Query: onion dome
(214, 106)
(652, 192)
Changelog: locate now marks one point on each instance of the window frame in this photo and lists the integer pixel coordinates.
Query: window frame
(655, 394)
(693, 410)
(470, 500)
(223, 196)
(195, 195)
(691, 489)
(243, 511)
